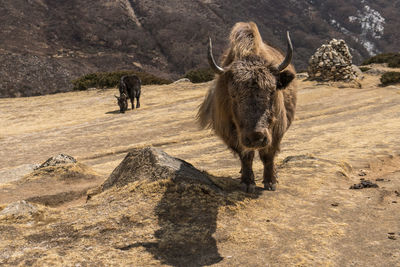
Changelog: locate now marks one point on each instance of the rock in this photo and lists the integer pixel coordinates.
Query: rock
(19, 209)
(58, 160)
(183, 80)
(332, 62)
(16, 173)
(302, 75)
(364, 184)
(358, 72)
(153, 164)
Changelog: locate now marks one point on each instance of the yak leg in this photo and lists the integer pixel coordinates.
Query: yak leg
(138, 100)
(132, 102)
(247, 179)
(267, 157)
(246, 159)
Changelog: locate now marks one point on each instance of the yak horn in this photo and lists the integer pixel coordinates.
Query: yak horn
(217, 69)
(116, 97)
(289, 54)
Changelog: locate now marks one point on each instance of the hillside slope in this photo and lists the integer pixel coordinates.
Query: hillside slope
(46, 44)
(339, 136)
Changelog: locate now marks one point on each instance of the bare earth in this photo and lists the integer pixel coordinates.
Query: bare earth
(340, 135)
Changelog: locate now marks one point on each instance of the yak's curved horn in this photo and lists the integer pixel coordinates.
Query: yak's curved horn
(217, 69)
(289, 54)
(116, 97)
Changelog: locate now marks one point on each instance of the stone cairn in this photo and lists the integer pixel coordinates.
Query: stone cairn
(332, 62)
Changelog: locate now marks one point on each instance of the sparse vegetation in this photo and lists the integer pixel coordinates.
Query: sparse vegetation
(393, 60)
(200, 75)
(364, 69)
(391, 77)
(111, 79)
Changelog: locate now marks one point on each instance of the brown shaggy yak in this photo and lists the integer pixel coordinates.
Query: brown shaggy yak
(252, 103)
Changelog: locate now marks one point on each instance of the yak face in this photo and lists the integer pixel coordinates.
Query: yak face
(252, 89)
(122, 103)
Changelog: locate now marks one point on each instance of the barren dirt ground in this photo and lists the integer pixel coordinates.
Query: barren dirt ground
(340, 135)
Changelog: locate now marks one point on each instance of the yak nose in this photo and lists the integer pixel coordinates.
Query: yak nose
(255, 140)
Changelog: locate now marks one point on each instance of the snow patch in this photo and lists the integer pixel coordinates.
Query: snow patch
(371, 21)
(372, 24)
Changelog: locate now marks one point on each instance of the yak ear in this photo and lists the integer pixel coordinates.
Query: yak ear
(283, 79)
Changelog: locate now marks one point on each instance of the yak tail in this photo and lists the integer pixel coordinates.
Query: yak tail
(204, 115)
(245, 39)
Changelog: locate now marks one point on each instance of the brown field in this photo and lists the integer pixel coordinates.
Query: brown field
(313, 219)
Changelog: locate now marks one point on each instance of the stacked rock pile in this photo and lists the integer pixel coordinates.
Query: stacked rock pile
(332, 62)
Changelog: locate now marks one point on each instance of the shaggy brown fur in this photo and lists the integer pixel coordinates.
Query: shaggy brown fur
(251, 104)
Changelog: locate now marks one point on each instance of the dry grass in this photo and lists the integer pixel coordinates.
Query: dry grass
(337, 132)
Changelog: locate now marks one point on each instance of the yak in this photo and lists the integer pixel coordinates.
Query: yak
(129, 86)
(252, 101)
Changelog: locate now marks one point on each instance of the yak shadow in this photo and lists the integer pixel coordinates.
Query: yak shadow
(187, 216)
(114, 112)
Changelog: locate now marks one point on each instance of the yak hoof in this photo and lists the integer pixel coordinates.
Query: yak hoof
(248, 188)
(270, 187)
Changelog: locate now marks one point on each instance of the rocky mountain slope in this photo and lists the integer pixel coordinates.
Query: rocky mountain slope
(46, 44)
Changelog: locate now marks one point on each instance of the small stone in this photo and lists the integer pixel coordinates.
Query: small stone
(362, 173)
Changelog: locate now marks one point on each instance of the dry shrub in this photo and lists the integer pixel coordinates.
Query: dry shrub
(391, 77)
(200, 75)
(111, 79)
(393, 60)
(364, 69)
